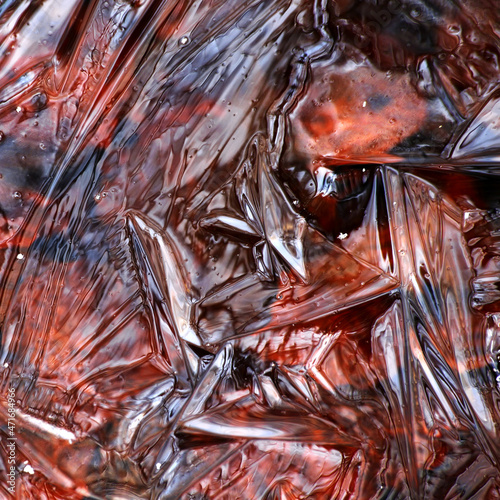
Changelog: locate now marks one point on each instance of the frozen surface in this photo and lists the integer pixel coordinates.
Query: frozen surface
(250, 249)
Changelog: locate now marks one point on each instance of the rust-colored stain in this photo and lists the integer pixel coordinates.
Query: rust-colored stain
(356, 113)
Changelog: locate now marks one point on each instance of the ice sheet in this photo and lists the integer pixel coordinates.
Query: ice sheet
(249, 249)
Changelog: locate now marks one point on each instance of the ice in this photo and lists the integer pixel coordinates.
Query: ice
(480, 138)
(249, 249)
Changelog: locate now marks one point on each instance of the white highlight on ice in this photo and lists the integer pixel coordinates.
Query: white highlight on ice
(28, 469)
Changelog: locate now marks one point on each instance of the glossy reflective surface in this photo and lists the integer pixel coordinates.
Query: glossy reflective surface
(250, 249)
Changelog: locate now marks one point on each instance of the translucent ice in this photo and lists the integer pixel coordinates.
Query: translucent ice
(250, 249)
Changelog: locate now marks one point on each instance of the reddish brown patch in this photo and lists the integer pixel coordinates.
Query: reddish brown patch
(356, 113)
